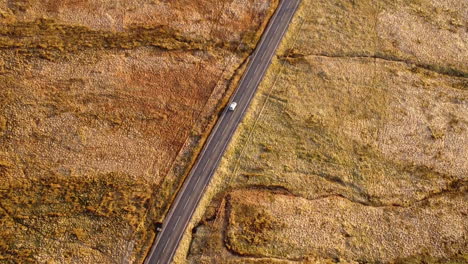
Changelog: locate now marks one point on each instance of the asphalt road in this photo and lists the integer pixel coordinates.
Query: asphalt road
(191, 192)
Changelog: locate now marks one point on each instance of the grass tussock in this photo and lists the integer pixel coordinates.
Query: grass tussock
(72, 211)
(47, 38)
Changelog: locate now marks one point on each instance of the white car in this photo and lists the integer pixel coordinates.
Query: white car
(232, 106)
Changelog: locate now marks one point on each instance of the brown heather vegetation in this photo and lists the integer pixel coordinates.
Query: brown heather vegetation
(103, 106)
(354, 150)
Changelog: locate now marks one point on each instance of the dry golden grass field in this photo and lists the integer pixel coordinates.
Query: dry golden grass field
(103, 106)
(355, 148)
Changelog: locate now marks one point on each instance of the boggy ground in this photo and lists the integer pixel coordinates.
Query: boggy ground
(103, 106)
(354, 150)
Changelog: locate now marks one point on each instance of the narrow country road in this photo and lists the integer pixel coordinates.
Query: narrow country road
(191, 192)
